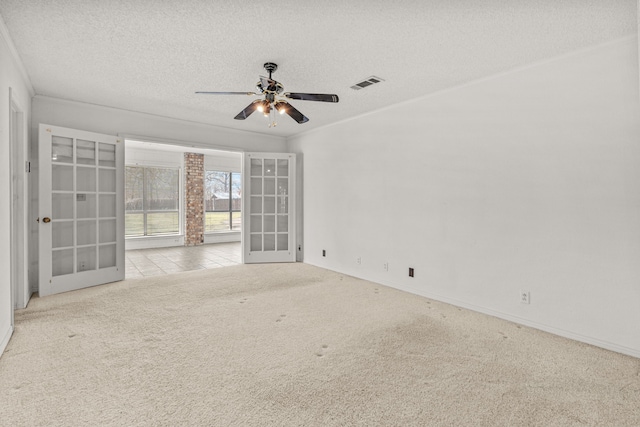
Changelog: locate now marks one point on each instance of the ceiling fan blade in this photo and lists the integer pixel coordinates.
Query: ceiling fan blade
(323, 97)
(249, 110)
(295, 114)
(226, 93)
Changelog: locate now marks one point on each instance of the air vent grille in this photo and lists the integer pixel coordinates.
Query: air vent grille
(367, 82)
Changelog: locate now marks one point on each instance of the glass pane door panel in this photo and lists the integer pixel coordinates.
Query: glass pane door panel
(256, 167)
(269, 242)
(283, 186)
(85, 179)
(86, 205)
(107, 230)
(62, 262)
(256, 242)
(283, 223)
(86, 232)
(283, 167)
(256, 223)
(269, 205)
(86, 258)
(269, 223)
(256, 205)
(107, 180)
(236, 220)
(283, 242)
(270, 186)
(61, 178)
(85, 152)
(61, 234)
(107, 155)
(107, 205)
(256, 186)
(283, 205)
(134, 224)
(269, 167)
(62, 205)
(107, 256)
(61, 149)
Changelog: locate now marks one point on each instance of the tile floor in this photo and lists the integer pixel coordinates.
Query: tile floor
(157, 261)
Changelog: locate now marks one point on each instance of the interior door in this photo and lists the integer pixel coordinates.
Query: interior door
(268, 220)
(81, 205)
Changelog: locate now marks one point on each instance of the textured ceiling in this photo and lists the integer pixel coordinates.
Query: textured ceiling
(152, 55)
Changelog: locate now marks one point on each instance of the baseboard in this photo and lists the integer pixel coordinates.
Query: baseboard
(519, 320)
(5, 340)
(525, 322)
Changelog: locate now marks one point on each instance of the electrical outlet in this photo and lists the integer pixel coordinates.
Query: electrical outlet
(525, 297)
(410, 272)
(386, 266)
(359, 260)
(324, 253)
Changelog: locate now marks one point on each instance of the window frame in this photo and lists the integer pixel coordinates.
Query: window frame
(144, 201)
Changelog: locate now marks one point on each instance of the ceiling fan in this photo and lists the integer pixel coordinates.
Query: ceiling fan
(274, 99)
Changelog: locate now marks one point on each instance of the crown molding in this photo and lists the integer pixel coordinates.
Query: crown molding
(4, 34)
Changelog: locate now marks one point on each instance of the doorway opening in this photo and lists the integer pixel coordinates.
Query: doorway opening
(182, 208)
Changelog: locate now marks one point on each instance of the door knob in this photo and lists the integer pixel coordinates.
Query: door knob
(46, 219)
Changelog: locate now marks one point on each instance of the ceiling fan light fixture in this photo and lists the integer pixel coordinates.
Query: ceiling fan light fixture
(281, 107)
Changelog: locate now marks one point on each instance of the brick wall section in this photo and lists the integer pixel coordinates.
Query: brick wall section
(194, 199)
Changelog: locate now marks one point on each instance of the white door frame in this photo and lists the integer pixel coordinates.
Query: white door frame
(19, 205)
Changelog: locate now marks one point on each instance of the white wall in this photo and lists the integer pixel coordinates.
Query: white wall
(526, 181)
(114, 121)
(11, 79)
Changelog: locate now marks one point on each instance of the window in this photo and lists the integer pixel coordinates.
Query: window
(222, 201)
(151, 201)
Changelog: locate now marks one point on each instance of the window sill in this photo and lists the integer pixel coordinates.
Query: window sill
(148, 242)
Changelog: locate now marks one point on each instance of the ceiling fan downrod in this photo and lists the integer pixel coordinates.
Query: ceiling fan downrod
(270, 67)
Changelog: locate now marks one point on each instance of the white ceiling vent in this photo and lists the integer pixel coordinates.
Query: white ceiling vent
(367, 82)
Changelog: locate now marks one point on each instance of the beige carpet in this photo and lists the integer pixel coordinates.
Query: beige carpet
(295, 345)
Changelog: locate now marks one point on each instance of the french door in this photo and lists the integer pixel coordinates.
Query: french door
(268, 211)
(81, 205)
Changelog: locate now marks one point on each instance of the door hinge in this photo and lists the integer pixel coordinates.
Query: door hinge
(27, 167)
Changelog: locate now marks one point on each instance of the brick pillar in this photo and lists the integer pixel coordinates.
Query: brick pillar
(194, 199)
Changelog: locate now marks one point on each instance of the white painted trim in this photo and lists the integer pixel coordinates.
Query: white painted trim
(4, 33)
(5, 340)
(20, 291)
(509, 317)
(224, 237)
